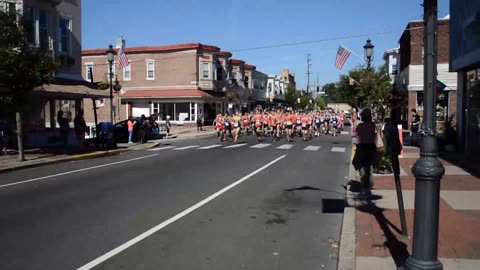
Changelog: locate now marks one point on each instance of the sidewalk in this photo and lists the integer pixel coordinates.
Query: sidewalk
(39, 157)
(185, 132)
(373, 239)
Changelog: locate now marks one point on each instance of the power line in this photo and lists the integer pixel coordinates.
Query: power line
(283, 44)
(321, 40)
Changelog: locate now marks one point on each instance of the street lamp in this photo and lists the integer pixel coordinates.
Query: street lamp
(368, 51)
(428, 169)
(110, 57)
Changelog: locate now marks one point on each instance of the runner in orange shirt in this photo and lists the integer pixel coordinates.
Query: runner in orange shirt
(288, 121)
(257, 118)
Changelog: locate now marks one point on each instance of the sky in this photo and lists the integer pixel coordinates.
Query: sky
(236, 25)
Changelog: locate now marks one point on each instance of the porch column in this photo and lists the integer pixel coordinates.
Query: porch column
(196, 112)
(53, 113)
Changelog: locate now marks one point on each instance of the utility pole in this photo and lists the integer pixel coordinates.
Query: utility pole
(428, 169)
(308, 73)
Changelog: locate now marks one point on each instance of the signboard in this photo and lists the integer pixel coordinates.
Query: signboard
(464, 34)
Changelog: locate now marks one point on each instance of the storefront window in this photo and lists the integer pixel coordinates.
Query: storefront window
(442, 107)
(176, 111)
(473, 113)
(182, 111)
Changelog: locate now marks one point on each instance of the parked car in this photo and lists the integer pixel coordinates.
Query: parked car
(150, 131)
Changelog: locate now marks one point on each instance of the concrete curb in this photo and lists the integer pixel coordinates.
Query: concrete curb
(64, 160)
(346, 253)
(97, 154)
(100, 154)
(34, 165)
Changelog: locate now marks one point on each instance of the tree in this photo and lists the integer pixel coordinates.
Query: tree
(332, 94)
(320, 103)
(22, 67)
(291, 94)
(370, 87)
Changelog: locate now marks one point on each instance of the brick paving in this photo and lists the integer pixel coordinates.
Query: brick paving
(377, 230)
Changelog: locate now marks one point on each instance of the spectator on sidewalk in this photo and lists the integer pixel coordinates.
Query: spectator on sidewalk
(200, 122)
(145, 129)
(366, 151)
(80, 128)
(64, 128)
(414, 126)
(3, 137)
(168, 125)
(394, 147)
(130, 124)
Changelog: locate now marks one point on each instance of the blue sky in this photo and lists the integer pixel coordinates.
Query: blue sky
(242, 24)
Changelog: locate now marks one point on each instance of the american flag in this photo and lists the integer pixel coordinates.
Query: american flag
(342, 56)
(122, 59)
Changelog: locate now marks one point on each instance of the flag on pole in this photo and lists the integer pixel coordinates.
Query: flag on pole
(440, 87)
(352, 81)
(341, 57)
(122, 59)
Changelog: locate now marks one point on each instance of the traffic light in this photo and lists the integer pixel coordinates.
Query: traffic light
(318, 89)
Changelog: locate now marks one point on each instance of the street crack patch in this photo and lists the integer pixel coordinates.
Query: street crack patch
(278, 219)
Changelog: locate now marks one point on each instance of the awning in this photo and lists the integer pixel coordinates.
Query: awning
(71, 89)
(168, 94)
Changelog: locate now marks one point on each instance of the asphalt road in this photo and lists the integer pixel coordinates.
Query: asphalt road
(179, 206)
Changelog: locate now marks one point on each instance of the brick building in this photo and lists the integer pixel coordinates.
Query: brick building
(56, 28)
(182, 81)
(410, 77)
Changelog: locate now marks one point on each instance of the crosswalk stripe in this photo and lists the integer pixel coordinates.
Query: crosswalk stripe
(311, 148)
(344, 133)
(186, 147)
(338, 149)
(236, 145)
(285, 146)
(161, 148)
(210, 146)
(260, 145)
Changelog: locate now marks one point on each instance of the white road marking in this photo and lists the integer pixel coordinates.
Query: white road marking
(75, 171)
(338, 149)
(260, 145)
(285, 146)
(344, 132)
(161, 148)
(210, 146)
(186, 147)
(236, 145)
(169, 221)
(311, 148)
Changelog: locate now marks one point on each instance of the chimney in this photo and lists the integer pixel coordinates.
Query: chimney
(120, 43)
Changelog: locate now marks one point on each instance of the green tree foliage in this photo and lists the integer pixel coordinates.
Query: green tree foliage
(320, 102)
(291, 95)
(370, 89)
(23, 67)
(332, 93)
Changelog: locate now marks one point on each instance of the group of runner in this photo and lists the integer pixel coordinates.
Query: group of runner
(287, 122)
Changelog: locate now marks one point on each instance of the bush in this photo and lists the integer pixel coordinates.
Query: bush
(384, 164)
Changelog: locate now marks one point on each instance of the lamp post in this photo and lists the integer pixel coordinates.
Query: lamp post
(368, 52)
(428, 170)
(110, 57)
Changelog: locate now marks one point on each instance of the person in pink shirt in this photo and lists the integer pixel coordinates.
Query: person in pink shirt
(130, 124)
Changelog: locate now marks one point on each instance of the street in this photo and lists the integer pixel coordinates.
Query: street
(187, 204)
